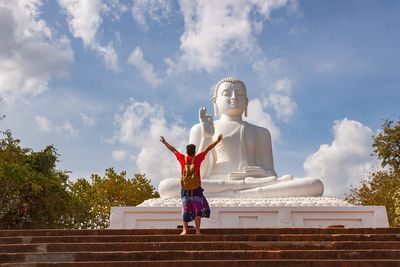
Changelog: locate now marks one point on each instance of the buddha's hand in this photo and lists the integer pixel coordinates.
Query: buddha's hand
(206, 122)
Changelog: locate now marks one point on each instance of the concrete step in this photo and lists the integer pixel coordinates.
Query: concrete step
(199, 246)
(222, 263)
(159, 255)
(216, 247)
(198, 238)
(61, 232)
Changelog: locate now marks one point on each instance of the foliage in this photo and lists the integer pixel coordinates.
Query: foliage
(93, 200)
(383, 187)
(33, 194)
(387, 145)
(378, 190)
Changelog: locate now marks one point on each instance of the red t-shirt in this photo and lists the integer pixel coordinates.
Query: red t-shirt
(197, 161)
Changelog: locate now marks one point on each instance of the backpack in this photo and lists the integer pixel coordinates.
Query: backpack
(190, 180)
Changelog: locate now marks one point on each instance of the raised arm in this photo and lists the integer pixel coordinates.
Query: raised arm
(171, 148)
(212, 145)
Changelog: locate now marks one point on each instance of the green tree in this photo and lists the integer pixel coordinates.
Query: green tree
(93, 200)
(387, 146)
(33, 194)
(383, 187)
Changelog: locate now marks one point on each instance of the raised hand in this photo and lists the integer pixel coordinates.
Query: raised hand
(206, 122)
(162, 140)
(171, 148)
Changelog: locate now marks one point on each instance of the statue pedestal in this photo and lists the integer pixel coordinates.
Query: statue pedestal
(308, 212)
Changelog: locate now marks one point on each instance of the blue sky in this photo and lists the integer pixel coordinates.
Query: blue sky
(102, 79)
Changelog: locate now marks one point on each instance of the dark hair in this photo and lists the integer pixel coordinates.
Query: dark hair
(191, 150)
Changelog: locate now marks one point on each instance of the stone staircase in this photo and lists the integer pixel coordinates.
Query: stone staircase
(215, 247)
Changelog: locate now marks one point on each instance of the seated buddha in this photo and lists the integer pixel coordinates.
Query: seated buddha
(241, 165)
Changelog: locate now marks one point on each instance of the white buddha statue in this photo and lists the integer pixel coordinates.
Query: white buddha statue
(241, 165)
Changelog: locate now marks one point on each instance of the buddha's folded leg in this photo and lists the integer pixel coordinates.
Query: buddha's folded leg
(223, 186)
(216, 186)
(266, 180)
(302, 187)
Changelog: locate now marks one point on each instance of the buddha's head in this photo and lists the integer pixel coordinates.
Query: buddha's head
(230, 97)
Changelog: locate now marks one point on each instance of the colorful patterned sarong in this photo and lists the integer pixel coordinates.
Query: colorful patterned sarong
(194, 204)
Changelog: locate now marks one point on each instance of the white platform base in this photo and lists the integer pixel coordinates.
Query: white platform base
(317, 212)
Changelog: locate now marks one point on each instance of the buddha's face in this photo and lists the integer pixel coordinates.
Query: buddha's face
(231, 99)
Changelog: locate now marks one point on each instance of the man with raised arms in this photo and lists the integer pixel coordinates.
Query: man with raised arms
(194, 204)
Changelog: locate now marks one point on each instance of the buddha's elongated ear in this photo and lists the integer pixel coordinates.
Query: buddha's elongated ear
(214, 101)
(245, 110)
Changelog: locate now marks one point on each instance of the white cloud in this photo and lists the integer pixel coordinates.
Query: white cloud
(115, 8)
(214, 29)
(145, 68)
(68, 130)
(283, 86)
(84, 20)
(119, 155)
(140, 126)
(109, 55)
(25, 43)
(345, 161)
(280, 100)
(264, 67)
(157, 10)
(259, 117)
(43, 123)
(283, 105)
(134, 119)
(88, 120)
